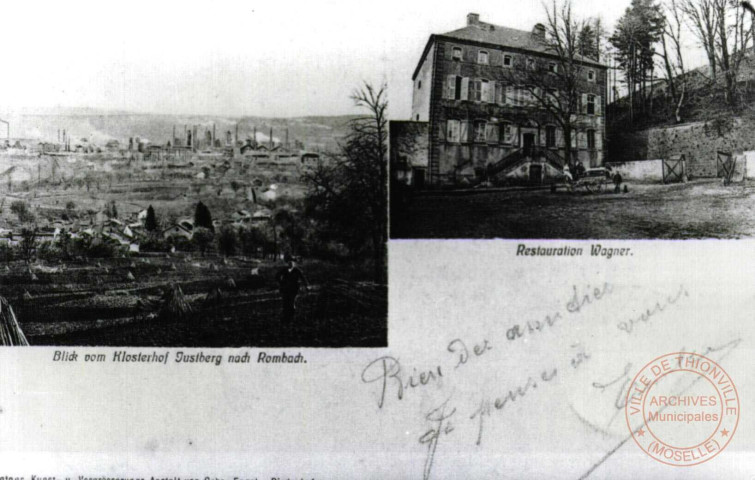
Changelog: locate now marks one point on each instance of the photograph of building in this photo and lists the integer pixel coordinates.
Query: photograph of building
(483, 91)
(576, 126)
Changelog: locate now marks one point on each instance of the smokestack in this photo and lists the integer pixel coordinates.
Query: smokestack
(473, 18)
(173, 141)
(271, 138)
(287, 147)
(236, 138)
(255, 136)
(213, 135)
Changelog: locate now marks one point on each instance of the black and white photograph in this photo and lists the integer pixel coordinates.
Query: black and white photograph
(426, 240)
(632, 120)
(178, 184)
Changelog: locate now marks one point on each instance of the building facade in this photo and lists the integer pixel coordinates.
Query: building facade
(481, 90)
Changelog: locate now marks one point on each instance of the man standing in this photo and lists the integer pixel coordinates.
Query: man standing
(617, 182)
(579, 171)
(289, 281)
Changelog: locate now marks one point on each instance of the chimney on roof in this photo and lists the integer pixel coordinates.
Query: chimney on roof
(473, 18)
(538, 31)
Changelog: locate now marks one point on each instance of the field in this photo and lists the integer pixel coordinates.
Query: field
(97, 303)
(700, 209)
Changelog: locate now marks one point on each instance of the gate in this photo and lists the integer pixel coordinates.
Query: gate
(725, 166)
(674, 169)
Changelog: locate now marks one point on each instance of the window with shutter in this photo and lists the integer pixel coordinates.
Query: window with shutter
(559, 137)
(552, 97)
(491, 92)
(591, 104)
(598, 104)
(498, 93)
(583, 107)
(491, 133)
(506, 135)
(475, 90)
(450, 87)
(464, 131)
(485, 91)
(464, 89)
(528, 99)
(591, 139)
(479, 131)
(510, 95)
(550, 136)
(452, 134)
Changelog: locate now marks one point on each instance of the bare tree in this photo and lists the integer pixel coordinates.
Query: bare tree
(349, 194)
(557, 89)
(732, 37)
(673, 59)
(702, 17)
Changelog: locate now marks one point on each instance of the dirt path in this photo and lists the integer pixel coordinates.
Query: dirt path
(701, 209)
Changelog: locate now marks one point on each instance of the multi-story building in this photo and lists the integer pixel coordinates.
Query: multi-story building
(482, 123)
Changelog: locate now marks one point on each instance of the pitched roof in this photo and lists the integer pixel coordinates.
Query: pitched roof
(498, 35)
(483, 32)
(490, 34)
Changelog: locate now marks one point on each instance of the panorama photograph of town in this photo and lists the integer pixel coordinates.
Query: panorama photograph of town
(579, 120)
(173, 190)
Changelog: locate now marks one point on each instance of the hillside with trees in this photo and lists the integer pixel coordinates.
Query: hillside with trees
(660, 88)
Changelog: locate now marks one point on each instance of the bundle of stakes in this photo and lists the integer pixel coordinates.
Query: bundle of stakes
(10, 331)
(175, 306)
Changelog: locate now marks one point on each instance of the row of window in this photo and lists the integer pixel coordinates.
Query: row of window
(458, 131)
(483, 58)
(485, 91)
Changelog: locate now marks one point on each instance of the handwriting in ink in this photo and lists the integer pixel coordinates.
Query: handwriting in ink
(459, 348)
(486, 406)
(387, 370)
(441, 426)
(574, 305)
(651, 312)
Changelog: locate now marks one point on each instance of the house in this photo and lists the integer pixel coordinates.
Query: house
(474, 88)
(187, 223)
(409, 149)
(177, 231)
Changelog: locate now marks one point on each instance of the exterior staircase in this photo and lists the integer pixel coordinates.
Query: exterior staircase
(513, 160)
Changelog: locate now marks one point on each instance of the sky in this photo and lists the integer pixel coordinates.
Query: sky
(234, 58)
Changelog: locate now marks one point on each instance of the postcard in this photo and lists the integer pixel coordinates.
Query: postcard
(249, 240)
